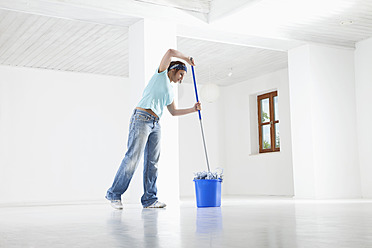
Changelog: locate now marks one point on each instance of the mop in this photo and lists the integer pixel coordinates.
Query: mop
(200, 119)
(204, 174)
(207, 184)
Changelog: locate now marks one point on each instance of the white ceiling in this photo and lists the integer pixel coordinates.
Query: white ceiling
(249, 36)
(201, 6)
(36, 41)
(216, 60)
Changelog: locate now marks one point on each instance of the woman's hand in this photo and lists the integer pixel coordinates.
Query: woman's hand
(177, 112)
(197, 106)
(191, 61)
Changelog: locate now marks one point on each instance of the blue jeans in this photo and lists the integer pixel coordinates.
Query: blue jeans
(144, 137)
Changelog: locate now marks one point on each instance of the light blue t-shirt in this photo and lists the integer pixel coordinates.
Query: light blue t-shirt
(157, 94)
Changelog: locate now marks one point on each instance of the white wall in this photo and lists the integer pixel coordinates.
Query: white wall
(323, 110)
(63, 134)
(301, 119)
(247, 172)
(363, 87)
(147, 45)
(157, 42)
(227, 125)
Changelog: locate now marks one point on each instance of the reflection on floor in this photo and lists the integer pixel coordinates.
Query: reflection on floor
(253, 222)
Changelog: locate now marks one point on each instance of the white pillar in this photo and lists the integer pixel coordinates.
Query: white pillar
(148, 42)
(363, 79)
(323, 122)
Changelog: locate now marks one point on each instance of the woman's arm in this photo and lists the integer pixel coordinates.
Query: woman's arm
(167, 58)
(177, 112)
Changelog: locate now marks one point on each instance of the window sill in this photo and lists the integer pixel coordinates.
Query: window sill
(263, 153)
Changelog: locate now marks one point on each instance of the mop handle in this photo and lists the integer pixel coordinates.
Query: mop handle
(201, 124)
(196, 90)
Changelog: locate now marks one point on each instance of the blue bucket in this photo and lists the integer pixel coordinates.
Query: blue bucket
(208, 192)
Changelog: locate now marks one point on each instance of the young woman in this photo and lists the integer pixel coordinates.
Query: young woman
(144, 130)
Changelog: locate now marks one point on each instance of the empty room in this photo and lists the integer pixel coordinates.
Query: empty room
(203, 123)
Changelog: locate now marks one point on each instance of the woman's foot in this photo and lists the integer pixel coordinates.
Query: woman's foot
(116, 204)
(157, 204)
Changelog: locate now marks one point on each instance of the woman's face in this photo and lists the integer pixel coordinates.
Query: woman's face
(177, 77)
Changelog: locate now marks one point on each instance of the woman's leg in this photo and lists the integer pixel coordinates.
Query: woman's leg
(150, 170)
(138, 135)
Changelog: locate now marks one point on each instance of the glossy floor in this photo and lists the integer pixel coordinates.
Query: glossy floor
(255, 222)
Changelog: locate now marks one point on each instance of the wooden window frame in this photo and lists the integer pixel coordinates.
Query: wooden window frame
(272, 122)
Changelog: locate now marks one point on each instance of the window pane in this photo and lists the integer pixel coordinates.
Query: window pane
(276, 112)
(277, 136)
(266, 139)
(265, 110)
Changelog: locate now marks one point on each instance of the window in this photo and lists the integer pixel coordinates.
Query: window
(268, 122)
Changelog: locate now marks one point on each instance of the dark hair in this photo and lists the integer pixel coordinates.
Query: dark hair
(175, 63)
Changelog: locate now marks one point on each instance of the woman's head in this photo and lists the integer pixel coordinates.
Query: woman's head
(176, 71)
